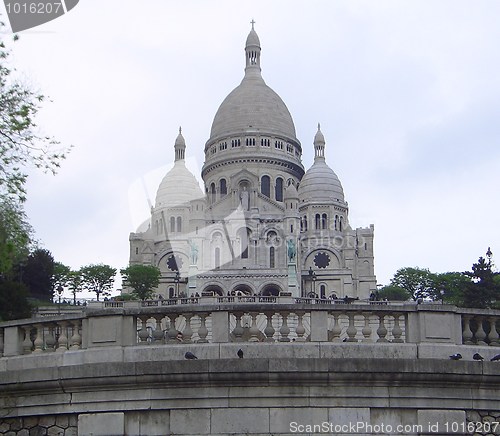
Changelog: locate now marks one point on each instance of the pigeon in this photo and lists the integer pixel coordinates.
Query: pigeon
(240, 353)
(190, 356)
(477, 356)
(495, 358)
(457, 356)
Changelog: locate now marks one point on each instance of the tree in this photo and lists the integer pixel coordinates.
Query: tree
(418, 282)
(15, 235)
(37, 274)
(142, 279)
(483, 290)
(450, 286)
(393, 293)
(98, 278)
(74, 283)
(13, 301)
(21, 143)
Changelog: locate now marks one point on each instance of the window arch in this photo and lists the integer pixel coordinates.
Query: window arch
(317, 221)
(278, 194)
(212, 193)
(324, 220)
(265, 186)
(179, 224)
(305, 223)
(223, 187)
(172, 224)
(341, 223)
(322, 291)
(244, 237)
(336, 222)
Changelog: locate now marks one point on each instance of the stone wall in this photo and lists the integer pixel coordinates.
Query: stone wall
(50, 425)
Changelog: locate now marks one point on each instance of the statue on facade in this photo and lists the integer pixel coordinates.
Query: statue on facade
(245, 199)
(292, 251)
(194, 252)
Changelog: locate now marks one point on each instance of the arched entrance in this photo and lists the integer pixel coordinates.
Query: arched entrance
(271, 290)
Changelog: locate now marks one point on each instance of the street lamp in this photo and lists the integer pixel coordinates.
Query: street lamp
(176, 280)
(59, 293)
(312, 278)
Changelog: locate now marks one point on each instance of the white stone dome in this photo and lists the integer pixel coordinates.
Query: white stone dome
(320, 183)
(178, 187)
(252, 106)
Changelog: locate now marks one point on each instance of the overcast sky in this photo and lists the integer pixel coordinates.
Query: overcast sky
(407, 93)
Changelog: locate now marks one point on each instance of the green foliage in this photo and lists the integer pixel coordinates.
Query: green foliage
(98, 278)
(483, 291)
(450, 287)
(21, 143)
(15, 235)
(74, 283)
(393, 293)
(60, 276)
(13, 301)
(418, 282)
(142, 279)
(37, 274)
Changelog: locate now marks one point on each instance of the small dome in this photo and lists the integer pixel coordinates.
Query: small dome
(320, 183)
(319, 139)
(180, 141)
(253, 39)
(178, 187)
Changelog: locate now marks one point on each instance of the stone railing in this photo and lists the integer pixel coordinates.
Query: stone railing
(248, 319)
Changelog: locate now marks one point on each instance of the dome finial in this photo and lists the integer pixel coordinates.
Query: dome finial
(252, 52)
(319, 144)
(180, 146)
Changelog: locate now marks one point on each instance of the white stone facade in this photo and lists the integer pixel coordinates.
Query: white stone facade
(263, 226)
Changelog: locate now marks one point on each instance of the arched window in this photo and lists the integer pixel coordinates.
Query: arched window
(278, 194)
(212, 193)
(336, 222)
(265, 186)
(341, 223)
(172, 224)
(171, 293)
(324, 220)
(271, 257)
(244, 237)
(223, 187)
(137, 250)
(322, 291)
(301, 224)
(217, 258)
(318, 221)
(179, 224)
(305, 223)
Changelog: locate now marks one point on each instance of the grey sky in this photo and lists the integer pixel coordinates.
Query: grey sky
(407, 93)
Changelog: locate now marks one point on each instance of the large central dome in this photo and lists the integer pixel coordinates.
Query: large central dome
(252, 106)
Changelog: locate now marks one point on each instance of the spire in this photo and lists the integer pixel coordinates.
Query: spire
(180, 146)
(319, 144)
(252, 52)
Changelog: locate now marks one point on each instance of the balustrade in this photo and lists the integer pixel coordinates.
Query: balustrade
(245, 319)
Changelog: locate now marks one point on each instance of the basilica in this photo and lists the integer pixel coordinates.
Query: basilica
(262, 225)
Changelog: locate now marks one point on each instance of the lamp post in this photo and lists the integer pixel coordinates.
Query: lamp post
(312, 278)
(176, 280)
(59, 293)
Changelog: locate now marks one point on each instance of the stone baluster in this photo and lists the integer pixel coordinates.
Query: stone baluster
(467, 332)
(480, 333)
(188, 331)
(38, 343)
(143, 332)
(493, 336)
(76, 338)
(300, 330)
(382, 330)
(50, 338)
(157, 335)
(269, 330)
(397, 331)
(63, 337)
(336, 329)
(238, 329)
(27, 344)
(1, 342)
(367, 330)
(254, 331)
(202, 331)
(351, 329)
(172, 331)
(284, 330)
